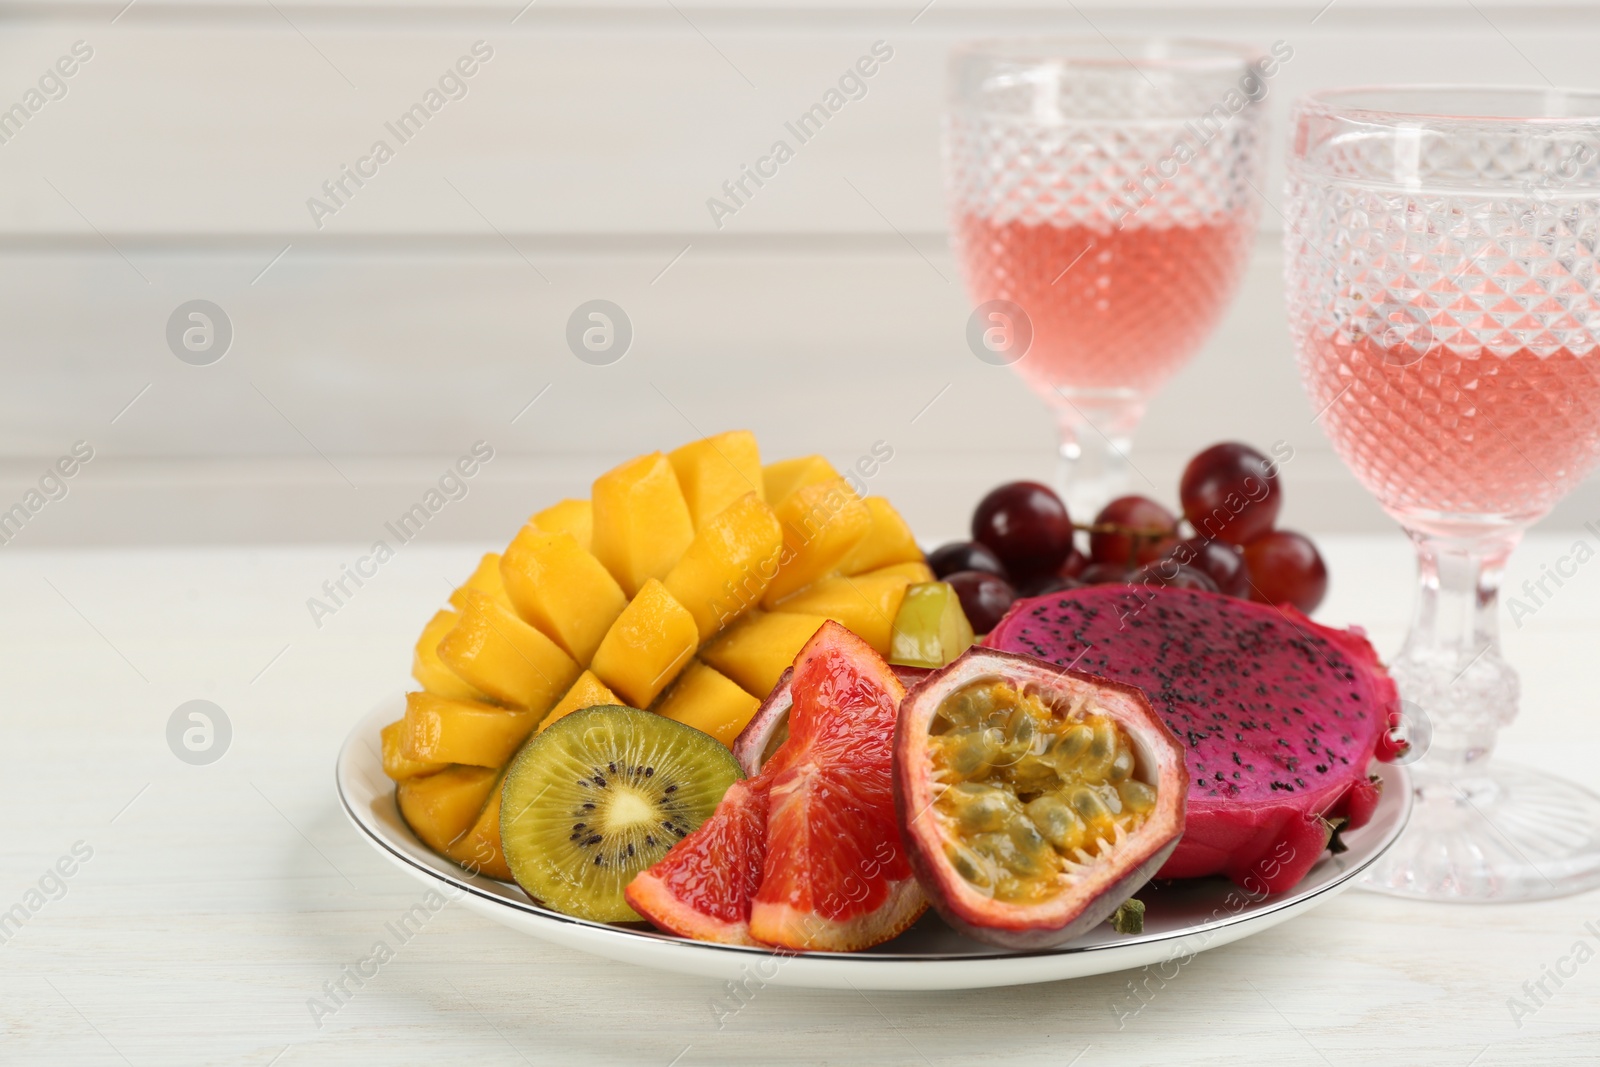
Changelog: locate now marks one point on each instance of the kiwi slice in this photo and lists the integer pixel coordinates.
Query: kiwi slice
(601, 795)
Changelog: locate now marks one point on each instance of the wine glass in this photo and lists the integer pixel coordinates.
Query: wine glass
(1441, 262)
(1104, 203)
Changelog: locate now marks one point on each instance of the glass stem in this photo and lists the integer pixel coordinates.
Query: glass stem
(1096, 436)
(1456, 689)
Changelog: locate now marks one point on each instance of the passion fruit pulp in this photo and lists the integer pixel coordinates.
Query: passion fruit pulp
(1033, 800)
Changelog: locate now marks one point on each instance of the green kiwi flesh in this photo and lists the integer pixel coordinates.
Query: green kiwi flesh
(601, 795)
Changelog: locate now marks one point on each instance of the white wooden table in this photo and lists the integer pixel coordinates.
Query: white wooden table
(219, 899)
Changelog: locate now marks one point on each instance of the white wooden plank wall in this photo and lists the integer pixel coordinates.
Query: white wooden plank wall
(431, 306)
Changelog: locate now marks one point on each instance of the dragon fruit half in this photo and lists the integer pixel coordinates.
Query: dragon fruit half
(1280, 717)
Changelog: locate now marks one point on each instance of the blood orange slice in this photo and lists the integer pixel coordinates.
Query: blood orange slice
(703, 887)
(835, 877)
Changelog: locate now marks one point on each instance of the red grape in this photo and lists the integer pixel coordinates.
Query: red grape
(964, 556)
(1048, 583)
(1230, 491)
(1170, 574)
(984, 597)
(1026, 525)
(1223, 563)
(1105, 573)
(1073, 565)
(1285, 568)
(1147, 522)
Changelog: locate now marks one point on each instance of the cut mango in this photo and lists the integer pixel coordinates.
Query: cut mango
(641, 521)
(757, 651)
(426, 668)
(561, 589)
(728, 565)
(785, 476)
(716, 471)
(462, 731)
(395, 762)
(710, 702)
(821, 524)
(866, 604)
(443, 806)
(888, 542)
(485, 579)
(587, 692)
(497, 652)
(917, 572)
(575, 517)
(651, 641)
(478, 850)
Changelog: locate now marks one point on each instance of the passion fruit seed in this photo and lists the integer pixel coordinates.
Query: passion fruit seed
(1031, 793)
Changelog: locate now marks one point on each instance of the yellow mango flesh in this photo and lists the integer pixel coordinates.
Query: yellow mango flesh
(866, 605)
(757, 651)
(561, 589)
(485, 579)
(461, 731)
(512, 662)
(821, 524)
(575, 517)
(443, 806)
(478, 850)
(710, 702)
(651, 641)
(785, 476)
(728, 565)
(641, 521)
(426, 666)
(888, 541)
(587, 692)
(396, 764)
(716, 471)
(916, 572)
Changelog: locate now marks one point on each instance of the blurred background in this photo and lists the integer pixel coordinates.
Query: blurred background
(376, 337)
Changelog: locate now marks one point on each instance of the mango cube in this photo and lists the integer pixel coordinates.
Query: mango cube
(866, 605)
(716, 471)
(396, 764)
(563, 590)
(494, 650)
(426, 667)
(484, 579)
(462, 731)
(756, 652)
(785, 476)
(478, 850)
(710, 702)
(821, 524)
(443, 806)
(641, 521)
(651, 641)
(888, 542)
(917, 572)
(575, 517)
(587, 692)
(728, 565)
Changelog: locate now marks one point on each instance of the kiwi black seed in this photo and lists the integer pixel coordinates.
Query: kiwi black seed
(601, 795)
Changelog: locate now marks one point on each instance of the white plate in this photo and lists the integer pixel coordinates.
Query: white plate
(1181, 918)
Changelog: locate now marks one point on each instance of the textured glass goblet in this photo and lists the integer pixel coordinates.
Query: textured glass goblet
(1103, 205)
(1442, 265)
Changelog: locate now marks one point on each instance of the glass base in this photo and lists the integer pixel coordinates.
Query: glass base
(1096, 434)
(1500, 833)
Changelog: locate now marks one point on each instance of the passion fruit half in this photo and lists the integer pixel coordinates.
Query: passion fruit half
(1033, 800)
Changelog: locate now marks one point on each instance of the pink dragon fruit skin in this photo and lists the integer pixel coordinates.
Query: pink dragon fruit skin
(1280, 717)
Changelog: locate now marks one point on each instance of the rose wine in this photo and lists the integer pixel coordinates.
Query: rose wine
(1112, 309)
(1463, 433)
